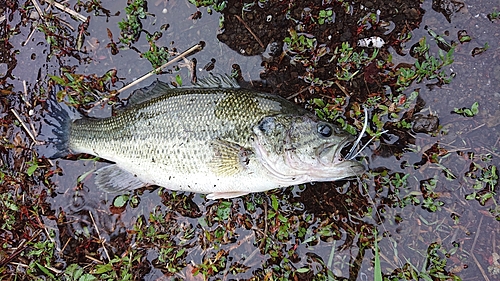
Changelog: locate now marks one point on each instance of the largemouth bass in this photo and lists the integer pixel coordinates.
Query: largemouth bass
(214, 138)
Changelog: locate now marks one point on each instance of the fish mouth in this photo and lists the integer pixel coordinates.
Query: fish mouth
(346, 151)
(334, 153)
(340, 157)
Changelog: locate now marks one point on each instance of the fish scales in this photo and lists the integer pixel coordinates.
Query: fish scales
(182, 123)
(224, 142)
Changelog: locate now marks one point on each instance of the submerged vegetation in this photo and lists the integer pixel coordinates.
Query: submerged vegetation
(426, 209)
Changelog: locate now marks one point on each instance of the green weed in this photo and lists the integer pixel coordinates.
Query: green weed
(494, 15)
(8, 210)
(216, 5)
(131, 26)
(486, 178)
(479, 50)
(463, 37)
(156, 55)
(325, 16)
(468, 112)
(83, 89)
(350, 62)
(426, 66)
(430, 202)
(299, 43)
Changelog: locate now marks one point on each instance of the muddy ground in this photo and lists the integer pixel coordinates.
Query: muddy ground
(430, 189)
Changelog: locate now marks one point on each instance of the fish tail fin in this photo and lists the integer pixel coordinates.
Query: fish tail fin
(56, 132)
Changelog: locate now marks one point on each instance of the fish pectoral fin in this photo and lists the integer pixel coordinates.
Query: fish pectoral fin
(225, 195)
(228, 158)
(114, 179)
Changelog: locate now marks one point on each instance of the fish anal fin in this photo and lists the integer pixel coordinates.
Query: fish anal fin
(225, 195)
(113, 179)
(228, 158)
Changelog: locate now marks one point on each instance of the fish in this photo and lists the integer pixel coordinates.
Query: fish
(214, 138)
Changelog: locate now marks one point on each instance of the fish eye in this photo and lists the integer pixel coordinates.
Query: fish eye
(267, 125)
(325, 130)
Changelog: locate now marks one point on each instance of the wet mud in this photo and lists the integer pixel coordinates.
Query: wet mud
(429, 195)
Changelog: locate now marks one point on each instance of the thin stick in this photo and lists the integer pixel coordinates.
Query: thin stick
(264, 237)
(22, 246)
(298, 93)
(29, 36)
(489, 151)
(99, 234)
(65, 245)
(472, 251)
(342, 88)
(24, 126)
(39, 10)
(196, 47)
(251, 32)
(93, 259)
(68, 10)
(477, 127)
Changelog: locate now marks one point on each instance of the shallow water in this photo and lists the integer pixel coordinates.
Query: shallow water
(323, 227)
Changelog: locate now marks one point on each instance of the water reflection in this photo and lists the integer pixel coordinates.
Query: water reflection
(318, 231)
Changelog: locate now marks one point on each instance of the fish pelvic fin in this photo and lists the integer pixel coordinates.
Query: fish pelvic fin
(228, 158)
(225, 195)
(114, 179)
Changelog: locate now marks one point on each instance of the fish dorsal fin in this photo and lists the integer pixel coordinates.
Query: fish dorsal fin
(228, 158)
(159, 88)
(156, 89)
(216, 81)
(113, 179)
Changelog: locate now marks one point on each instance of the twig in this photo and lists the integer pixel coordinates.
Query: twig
(67, 24)
(472, 251)
(20, 248)
(251, 32)
(55, 270)
(24, 126)
(477, 127)
(264, 237)
(39, 10)
(40, 222)
(298, 93)
(342, 88)
(19, 264)
(99, 234)
(2, 18)
(25, 88)
(388, 260)
(68, 10)
(29, 36)
(93, 259)
(489, 151)
(196, 47)
(250, 257)
(65, 245)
